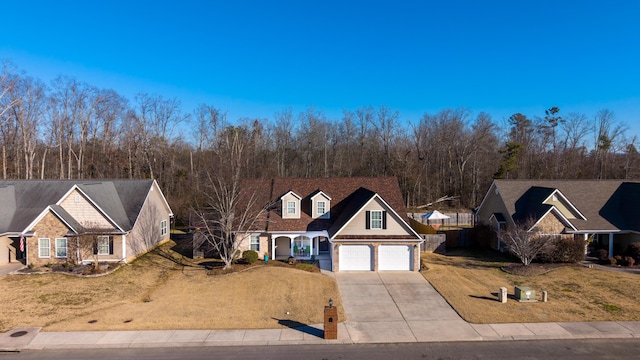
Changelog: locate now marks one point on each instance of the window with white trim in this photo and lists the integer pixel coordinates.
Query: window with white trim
(44, 247)
(255, 243)
(320, 207)
(291, 207)
(61, 247)
(376, 219)
(103, 245)
(163, 227)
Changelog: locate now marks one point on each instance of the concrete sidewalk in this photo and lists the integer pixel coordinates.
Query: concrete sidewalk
(32, 338)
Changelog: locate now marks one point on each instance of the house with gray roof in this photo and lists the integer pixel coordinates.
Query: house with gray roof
(359, 223)
(46, 221)
(604, 213)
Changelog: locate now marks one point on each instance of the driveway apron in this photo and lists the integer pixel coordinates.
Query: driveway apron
(398, 306)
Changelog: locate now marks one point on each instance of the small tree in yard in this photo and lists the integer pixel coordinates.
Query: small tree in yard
(91, 242)
(525, 243)
(229, 211)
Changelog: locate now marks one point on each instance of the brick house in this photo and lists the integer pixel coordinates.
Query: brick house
(603, 213)
(359, 223)
(51, 221)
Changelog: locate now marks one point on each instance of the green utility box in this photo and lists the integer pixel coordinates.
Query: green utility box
(524, 293)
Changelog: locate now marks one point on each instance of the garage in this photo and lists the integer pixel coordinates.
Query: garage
(395, 257)
(355, 257)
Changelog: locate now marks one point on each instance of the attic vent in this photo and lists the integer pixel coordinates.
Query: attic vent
(76, 198)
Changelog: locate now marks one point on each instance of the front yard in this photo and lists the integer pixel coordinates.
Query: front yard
(470, 282)
(156, 293)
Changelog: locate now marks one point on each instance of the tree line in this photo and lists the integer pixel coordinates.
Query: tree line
(69, 129)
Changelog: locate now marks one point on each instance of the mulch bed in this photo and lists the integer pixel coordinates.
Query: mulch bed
(77, 270)
(217, 268)
(532, 269)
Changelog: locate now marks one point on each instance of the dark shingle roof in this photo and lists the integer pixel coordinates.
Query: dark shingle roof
(608, 205)
(347, 196)
(23, 200)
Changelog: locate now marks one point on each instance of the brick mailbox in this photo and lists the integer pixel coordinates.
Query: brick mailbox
(330, 321)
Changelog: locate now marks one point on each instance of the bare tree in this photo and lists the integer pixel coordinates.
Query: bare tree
(525, 242)
(228, 213)
(91, 242)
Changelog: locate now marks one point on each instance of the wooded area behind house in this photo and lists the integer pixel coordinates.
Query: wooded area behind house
(69, 129)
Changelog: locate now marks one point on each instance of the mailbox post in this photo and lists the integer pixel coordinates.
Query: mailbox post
(330, 321)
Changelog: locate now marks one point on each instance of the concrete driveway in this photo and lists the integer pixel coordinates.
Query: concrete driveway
(398, 307)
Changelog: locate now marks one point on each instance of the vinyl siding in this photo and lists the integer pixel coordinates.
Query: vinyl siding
(357, 225)
(83, 211)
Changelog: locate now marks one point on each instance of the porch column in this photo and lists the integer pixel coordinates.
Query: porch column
(610, 245)
(291, 246)
(273, 247)
(311, 249)
(586, 244)
(124, 247)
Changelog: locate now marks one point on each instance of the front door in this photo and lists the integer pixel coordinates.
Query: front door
(323, 245)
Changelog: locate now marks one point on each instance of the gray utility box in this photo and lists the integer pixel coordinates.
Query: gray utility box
(523, 293)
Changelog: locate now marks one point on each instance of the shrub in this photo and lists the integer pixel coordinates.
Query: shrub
(603, 254)
(620, 260)
(630, 261)
(564, 250)
(612, 261)
(633, 250)
(250, 256)
(291, 260)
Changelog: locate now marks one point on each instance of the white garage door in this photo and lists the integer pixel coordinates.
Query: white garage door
(394, 257)
(355, 257)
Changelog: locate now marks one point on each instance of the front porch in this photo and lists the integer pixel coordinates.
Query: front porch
(303, 246)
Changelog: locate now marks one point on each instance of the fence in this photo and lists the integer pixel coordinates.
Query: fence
(455, 219)
(434, 243)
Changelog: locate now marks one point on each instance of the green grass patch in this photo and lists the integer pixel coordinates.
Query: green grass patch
(611, 307)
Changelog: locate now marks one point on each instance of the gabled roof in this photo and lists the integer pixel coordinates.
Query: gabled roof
(348, 195)
(24, 200)
(604, 205)
(320, 192)
(292, 193)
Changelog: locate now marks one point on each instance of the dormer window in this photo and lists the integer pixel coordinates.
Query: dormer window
(320, 205)
(291, 207)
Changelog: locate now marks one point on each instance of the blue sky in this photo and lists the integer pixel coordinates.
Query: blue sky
(256, 58)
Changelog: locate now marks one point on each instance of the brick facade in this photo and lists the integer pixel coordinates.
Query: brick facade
(49, 227)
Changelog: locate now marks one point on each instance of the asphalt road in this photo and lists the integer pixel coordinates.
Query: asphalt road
(548, 349)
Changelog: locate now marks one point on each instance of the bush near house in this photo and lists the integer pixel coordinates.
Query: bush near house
(633, 250)
(564, 250)
(250, 256)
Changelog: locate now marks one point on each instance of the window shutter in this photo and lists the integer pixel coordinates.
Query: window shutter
(110, 245)
(368, 220)
(95, 246)
(384, 219)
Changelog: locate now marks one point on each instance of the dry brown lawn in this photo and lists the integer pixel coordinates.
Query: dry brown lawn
(470, 282)
(156, 293)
